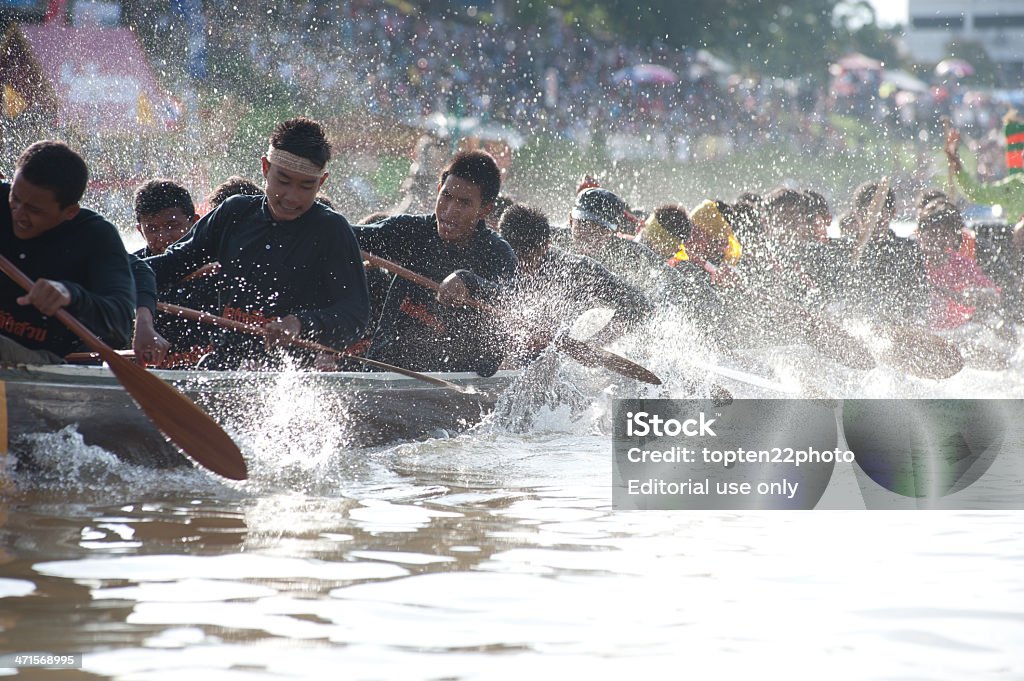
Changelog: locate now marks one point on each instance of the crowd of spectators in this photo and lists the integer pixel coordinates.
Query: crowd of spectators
(555, 76)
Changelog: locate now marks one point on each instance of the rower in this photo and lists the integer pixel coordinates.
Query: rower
(1007, 193)
(665, 230)
(164, 212)
(960, 288)
(418, 330)
(553, 285)
(233, 186)
(594, 222)
(75, 256)
(288, 263)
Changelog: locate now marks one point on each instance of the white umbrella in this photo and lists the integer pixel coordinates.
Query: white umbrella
(904, 81)
(642, 74)
(958, 68)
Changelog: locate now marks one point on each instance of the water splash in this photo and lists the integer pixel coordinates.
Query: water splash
(62, 462)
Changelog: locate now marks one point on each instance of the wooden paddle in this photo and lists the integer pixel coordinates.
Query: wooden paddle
(183, 423)
(582, 352)
(253, 329)
(947, 129)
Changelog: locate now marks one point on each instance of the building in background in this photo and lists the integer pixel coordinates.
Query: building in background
(996, 25)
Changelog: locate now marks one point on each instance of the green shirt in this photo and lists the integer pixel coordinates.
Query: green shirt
(1007, 193)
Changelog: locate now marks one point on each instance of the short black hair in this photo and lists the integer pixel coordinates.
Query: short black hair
(525, 229)
(160, 194)
(373, 217)
(325, 200)
(675, 220)
(57, 167)
(941, 213)
(479, 168)
(816, 204)
(782, 198)
(501, 204)
(926, 196)
(230, 187)
(746, 221)
(303, 137)
(865, 194)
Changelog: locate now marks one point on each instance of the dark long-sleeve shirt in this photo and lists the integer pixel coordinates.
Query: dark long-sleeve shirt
(85, 254)
(567, 284)
(417, 332)
(145, 283)
(309, 267)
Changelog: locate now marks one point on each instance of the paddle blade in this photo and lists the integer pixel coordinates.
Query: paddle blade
(190, 428)
(591, 323)
(593, 356)
(922, 354)
(833, 341)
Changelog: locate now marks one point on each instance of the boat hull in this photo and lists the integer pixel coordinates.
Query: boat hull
(361, 409)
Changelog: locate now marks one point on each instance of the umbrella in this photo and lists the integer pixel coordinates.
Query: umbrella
(958, 68)
(642, 74)
(714, 63)
(855, 61)
(904, 81)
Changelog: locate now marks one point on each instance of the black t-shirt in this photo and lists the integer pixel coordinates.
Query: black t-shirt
(309, 267)
(85, 254)
(417, 332)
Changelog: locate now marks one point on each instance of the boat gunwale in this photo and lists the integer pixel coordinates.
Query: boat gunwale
(100, 376)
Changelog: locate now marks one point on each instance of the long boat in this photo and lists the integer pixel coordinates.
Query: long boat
(368, 408)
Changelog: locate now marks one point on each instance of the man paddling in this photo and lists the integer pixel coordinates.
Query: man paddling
(75, 256)
(1007, 193)
(594, 222)
(164, 212)
(553, 285)
(288, 263)
(418, 330)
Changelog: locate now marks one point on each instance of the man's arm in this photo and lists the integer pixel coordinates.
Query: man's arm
(388, 239)
(149, 346)
(105, 301)
(594, 284)
(1007, 192)
(492, 272)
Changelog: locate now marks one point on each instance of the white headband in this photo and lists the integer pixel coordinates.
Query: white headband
(293, 162)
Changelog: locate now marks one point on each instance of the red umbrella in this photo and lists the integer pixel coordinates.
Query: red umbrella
(958, 68)
(642, 74)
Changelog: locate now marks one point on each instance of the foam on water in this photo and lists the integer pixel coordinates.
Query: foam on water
(62, 462)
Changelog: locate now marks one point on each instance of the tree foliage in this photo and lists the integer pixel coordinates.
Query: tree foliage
(788, 38)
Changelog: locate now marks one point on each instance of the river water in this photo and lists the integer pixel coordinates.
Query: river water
(497, 554)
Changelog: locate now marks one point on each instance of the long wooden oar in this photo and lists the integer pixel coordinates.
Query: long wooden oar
(868, 224)
(183, 423)
(253, 329)
(582, 352)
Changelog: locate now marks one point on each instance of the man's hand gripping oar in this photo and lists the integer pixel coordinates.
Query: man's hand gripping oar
(190, 428)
